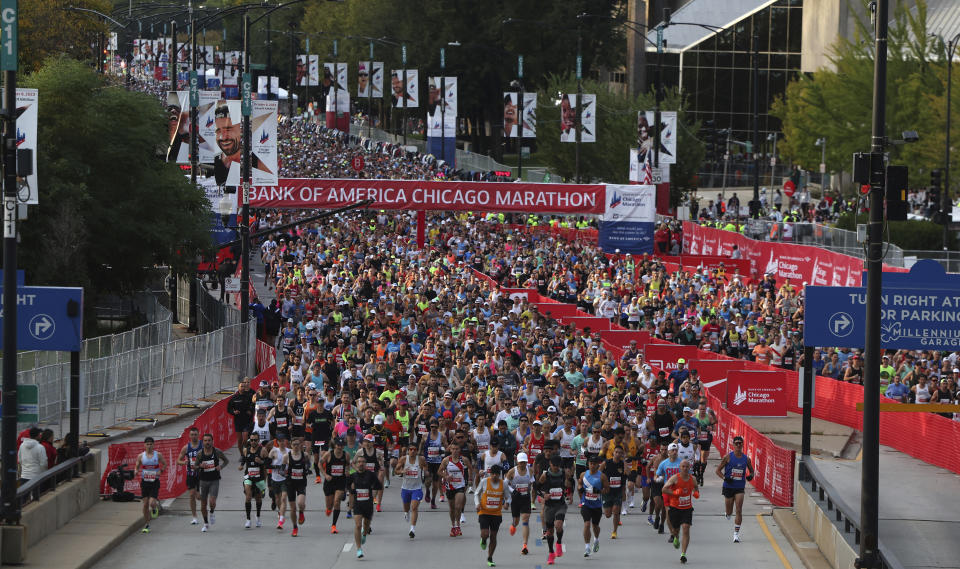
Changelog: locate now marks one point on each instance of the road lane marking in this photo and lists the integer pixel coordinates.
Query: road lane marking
(773, 543)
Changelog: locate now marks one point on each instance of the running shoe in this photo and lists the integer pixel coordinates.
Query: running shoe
(586, 551)
(443, 498)
(559, 549)
(154, 513)
(613, 535)
(406, 516)
(363, 539)
(463, 519)
(660, 529)
(246, 524)
(736, 537)
(259, 523)
(513, 529)
(302, 518)
(146, 529)
(490, 563)
(327, 512)
(386, 483)
(650, 520)
(596, 545)
(378, 507)
(318, 480)
(273, 504)
(643, 506)
(295, 532)
(470, 489)
(550, 558)
(453, 532)
(213, 518)
(349, 514)
(204, 528)
(359, 553)
(333, 529)
(676, 543)
(483, 543)
(412, 534)
(524, 550)
(194, 522)
(683, 558)
(433, 505)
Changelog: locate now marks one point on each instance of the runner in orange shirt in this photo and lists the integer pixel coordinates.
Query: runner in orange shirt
(762, 352)
(680, 491)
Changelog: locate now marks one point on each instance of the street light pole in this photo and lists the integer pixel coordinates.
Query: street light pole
(245, 175)
(520, 116)
(946, 202)
(194, 129)
(870, 471)
(172, 61)
(403, 95)
(370, 95)
(576, 149)
(756, 126)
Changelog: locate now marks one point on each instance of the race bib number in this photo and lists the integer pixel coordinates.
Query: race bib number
(336, 470)
(422, 429)
(664, 431)
(208, 465)
(281, 422)
(297, 420)
(412, 473)
(456, 478)
(371, 466)
(253, 472)
(482, 447)
(492, 503)
(704, 435)
(684, 501)
(149, 475)
(736, 473)
(592, 495)
(296, 473)
(363, 494)
(522, 489)
(615, 482)
(433, 452)
(556, 493)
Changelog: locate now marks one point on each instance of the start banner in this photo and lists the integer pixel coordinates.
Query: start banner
(310, 193)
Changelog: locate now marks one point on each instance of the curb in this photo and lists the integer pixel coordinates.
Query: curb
(805, 548)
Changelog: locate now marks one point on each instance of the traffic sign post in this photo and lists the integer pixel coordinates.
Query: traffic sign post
(49, 318)
(8, 35)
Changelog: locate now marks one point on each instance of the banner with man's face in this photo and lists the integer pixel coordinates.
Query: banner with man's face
(207, 127)
(178, 121)
(308, 70)
(229, 137)
(442, 106)
(668, 136)
(411, 99)
(568, 118)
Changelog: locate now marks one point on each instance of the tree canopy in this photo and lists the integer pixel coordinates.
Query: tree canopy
(838, 103)
(109, 209)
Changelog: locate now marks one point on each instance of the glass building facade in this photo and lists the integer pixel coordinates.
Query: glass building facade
(716, 74)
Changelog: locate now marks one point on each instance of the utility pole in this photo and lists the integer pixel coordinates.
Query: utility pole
(870, 471)
(172, 63)
(443, 105)
(194, 133)
(520, 116)
(756, 126)
(403, 96)
(576, 150)
(8, 434)
(245, 81)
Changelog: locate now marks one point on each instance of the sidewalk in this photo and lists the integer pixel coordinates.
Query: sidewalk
(87, 537)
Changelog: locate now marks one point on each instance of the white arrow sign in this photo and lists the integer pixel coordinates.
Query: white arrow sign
(841, 324)
(42, 326)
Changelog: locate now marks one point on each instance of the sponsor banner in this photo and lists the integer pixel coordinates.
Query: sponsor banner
(664, 356)
(263, 128)
(442, 107)
(646, 148)
(757, 393)
(338, 100)
(412, 98)
(591, 323)
(622, 338)
(627, 224)
(799, 263)
(308, 70)
(568, 118)
(427, 195)
(207, 127)
(232, 68)
(27, 113)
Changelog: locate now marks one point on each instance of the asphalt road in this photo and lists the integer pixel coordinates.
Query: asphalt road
(173, 542)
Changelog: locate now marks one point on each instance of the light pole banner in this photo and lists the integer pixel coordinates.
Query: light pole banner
(641, 172)
(27, 101)
(229, 136)
(274, 86)
(668, 137)
(376, 79)
(338, 101)
(207, 127)
(363, 79)
(232, 69)
(308, 69)
(334, 77)
(446, 101)
(511, 113)
(627, 223)
(178, 121)
(568, 118)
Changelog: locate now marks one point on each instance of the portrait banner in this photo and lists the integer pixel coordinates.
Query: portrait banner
(363, 79)
(178, 117)
(376, 79)
(668, 137)
(529, 115)
(442, 106)
(511, 113)
(27, 114)
(207, 129)
(568, 118)
(232, 68)
(229, 136)
(308, 70)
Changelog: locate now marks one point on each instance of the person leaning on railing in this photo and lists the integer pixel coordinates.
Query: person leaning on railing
(32, 457)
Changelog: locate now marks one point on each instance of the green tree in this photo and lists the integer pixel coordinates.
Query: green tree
(607, 159)
(838, 103)
(46, 29)
(109, 209)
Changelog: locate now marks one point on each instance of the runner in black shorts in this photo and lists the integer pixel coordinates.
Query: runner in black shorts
(297, 466)
(362, 485)
(552, 483)
(335, 467)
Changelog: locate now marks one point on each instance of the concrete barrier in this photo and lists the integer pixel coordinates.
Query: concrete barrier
(828, 537)
(56, 508)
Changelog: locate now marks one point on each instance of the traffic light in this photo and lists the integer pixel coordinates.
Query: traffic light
(896, 193)
(710, 135)
(933, 194)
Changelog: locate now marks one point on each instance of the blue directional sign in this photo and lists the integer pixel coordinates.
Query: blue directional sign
(914, 319)
(48, 318)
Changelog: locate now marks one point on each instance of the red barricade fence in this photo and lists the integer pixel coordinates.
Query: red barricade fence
(214, 420)
(266, 356)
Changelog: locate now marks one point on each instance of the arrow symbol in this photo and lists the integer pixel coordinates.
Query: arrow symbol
(841, 323)
(42, 326)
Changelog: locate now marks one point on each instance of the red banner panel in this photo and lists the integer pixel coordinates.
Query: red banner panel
(622, 338)
(664, 356)
(595, 323)
(426, 195)
(757, 393)
(559, 310)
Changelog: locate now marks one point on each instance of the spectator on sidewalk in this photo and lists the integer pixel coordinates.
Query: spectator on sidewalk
(32, 457)
(46, 439)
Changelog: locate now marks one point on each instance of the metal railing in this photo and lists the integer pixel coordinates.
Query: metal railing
(950, 260)
(53, 477)
(146, 372)
(844, 517)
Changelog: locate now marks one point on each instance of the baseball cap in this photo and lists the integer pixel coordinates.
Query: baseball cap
(537, 422)
(368, 438)
(672, 446)
(681, 361)
(687, 410)
(378, 420)
(738, 439)
(289, 320)
(551, 409)
(522, 457)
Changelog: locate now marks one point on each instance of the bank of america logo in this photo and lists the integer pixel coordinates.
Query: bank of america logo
(264, 137)
(616, 200)
(740, 396)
